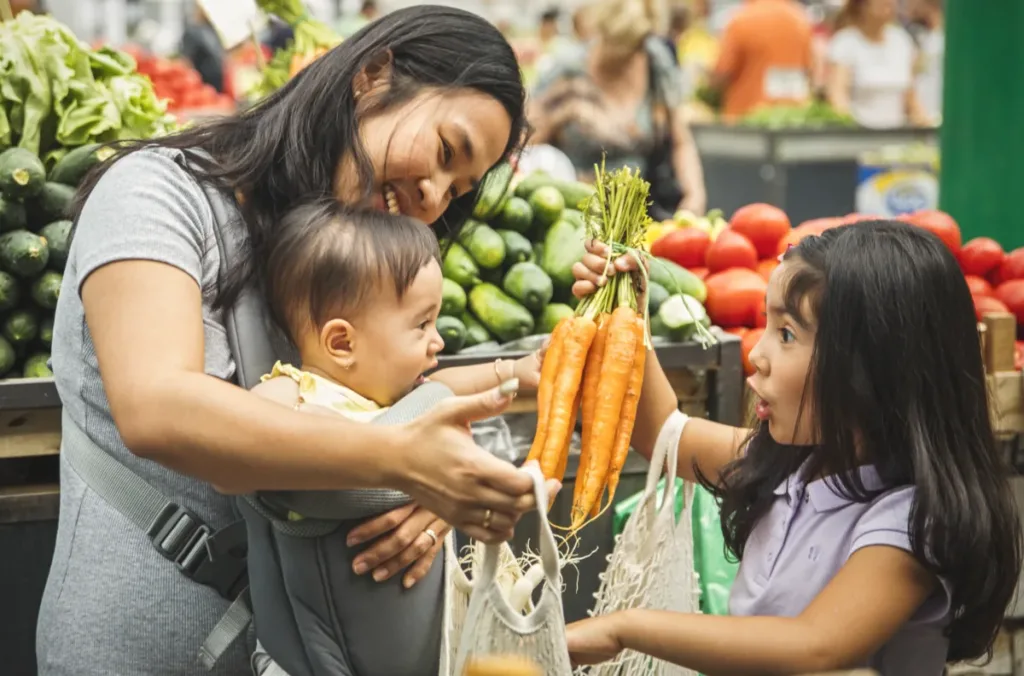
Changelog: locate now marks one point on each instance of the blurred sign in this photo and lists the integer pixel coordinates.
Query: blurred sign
(234, 20)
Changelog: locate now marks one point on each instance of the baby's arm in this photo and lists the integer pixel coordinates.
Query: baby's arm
(482, 377)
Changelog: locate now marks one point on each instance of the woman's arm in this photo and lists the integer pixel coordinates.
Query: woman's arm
(916, 114)
(875, 593)
(837, 87)
(686, 161)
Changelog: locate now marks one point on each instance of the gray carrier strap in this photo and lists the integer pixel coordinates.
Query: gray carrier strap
(212, 558)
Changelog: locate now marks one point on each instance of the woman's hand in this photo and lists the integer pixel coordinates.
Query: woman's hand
(594, 640)
(527, 369)
(593, 270)
(445, 472)
(414, 536)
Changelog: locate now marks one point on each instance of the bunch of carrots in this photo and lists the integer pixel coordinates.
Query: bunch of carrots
(595, 360)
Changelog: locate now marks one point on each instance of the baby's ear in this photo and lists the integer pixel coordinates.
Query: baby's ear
(337, 340)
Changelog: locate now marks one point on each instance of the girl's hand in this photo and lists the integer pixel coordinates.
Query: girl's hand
(594, 640)
(589, 270)
(407, 544)
(443, 470)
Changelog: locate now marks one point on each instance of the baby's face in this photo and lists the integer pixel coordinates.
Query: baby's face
(395, 341)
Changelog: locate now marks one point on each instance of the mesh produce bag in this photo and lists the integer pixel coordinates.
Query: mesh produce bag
(651, 565)
(493, 627)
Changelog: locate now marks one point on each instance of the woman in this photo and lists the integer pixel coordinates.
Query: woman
(409, 115)
(871, 67)
(620, 97)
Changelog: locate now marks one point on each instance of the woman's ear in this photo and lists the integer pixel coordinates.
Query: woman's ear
(376, 75)
(337, 340)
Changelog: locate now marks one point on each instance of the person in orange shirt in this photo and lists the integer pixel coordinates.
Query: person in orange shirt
(766, 56)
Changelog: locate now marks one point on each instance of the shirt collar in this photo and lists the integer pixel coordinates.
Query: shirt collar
(826, 494)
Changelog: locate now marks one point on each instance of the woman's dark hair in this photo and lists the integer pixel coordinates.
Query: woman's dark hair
(896, 380)
(286, 149)
(328, 261)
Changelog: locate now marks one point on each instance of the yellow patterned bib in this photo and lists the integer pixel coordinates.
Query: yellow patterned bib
(320, 391)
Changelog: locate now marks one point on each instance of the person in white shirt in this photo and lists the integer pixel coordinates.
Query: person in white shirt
(871, 67)
(928, 16)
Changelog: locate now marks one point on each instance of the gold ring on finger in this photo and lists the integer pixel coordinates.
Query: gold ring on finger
(487, 518)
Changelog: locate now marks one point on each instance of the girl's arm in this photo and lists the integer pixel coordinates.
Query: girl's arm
(874, 594)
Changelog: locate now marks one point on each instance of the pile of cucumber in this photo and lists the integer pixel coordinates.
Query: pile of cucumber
(508, 273)
(35, 235)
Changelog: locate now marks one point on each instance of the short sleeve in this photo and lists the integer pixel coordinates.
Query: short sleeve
(145, 207)
(842, 48)
(887, 522)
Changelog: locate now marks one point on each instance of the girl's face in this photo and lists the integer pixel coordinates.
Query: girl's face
(428, 151)
(781, 360)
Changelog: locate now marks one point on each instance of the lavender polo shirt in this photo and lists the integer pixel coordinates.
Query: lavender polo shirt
(803, 541)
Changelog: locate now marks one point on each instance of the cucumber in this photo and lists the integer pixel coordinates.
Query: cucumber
(7, 357)
(23, 254)
(484, 244)
(551, 315)
(529, 183)
(493, 192)
(658, 328)
(58, 241)
(677, 279)
(538, 252)
(547, 204)
(516, 215)
(460, 267)
(517, 248)
(656, 295)
(476, 333)
(453, 332)
(46, 331)
(563, 247)
(573, 192)
(453, 298)
(575, 217)
(46, 289)
(681, 311)
(35, 366)
(10, 292)
(13, 215)
(530, 285)
(53, 202)
(72, 168)
(504, 318)
(21, 328)
(22, 174)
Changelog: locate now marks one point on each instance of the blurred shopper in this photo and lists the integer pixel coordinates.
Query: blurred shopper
(201, 46)
(368, 11)
(766, 57)
(871, 67)
(620, 95)
(928, 26)
(698, 47)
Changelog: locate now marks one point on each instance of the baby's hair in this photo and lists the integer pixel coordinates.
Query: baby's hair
(329, 261)
(895, 380)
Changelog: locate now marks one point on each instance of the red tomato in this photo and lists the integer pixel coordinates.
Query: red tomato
(1018, 355)
(980, 256)
(699, 272)
(737, 330)
(979, 286)
(940, 224)
(763, 224)
(686, 246)
(765, 267)
(1012, 267)
(812, 227)
(735, 297)
(730, 250)
(985, 305)
(746, 345)
(1011, 293)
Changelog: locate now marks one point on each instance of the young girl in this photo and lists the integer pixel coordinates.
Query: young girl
(869, 508)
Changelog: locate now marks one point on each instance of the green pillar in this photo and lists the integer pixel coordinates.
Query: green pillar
(982, 136)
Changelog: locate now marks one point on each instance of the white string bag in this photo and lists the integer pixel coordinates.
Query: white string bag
(493, 627)
(651, 565)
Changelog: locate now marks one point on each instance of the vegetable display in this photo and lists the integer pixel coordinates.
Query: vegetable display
(57, 94)
(312, 38)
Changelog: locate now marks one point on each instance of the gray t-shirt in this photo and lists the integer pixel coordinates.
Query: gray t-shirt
(112, 605)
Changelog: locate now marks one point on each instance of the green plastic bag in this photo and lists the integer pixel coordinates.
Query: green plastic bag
(716, 572)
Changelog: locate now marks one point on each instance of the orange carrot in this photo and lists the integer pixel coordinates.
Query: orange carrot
(563, 396)
(627, 417)
(591, 378)
(564, 459)
(619, 353)
(548, 373)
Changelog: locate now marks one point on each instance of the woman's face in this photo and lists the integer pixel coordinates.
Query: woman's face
(428, 151)
(879, 10)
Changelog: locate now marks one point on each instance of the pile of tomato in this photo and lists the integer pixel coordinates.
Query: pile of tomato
(180, 84)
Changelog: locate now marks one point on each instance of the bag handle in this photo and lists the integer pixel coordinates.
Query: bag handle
(548, 548)
(666, 454)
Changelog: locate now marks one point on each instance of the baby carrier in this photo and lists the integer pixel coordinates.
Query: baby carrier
(315, 616)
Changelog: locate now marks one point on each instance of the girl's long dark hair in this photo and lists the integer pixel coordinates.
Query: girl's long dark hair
(896, 380)
(287, 148)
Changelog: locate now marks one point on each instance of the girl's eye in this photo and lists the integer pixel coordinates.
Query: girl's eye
(786, 335)
(446, 152)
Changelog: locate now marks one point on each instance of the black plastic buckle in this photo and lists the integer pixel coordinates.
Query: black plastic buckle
(215, 559)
